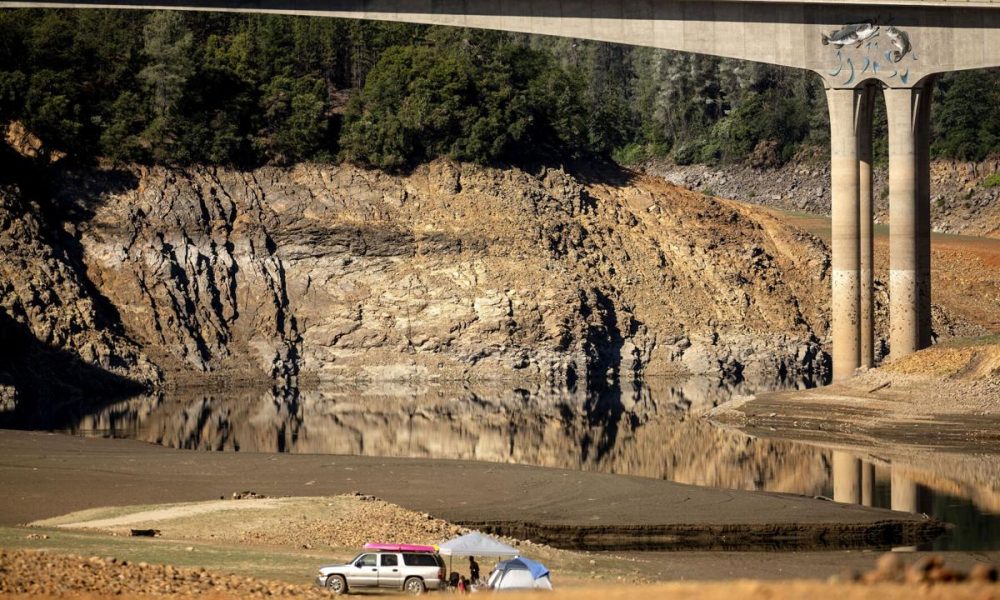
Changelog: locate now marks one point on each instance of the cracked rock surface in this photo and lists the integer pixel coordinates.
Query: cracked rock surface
(328, 273)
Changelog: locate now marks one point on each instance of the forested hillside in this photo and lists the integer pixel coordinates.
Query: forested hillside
(238, 90)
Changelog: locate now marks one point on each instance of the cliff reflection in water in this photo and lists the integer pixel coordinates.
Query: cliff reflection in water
(646, 430)
(650, 430)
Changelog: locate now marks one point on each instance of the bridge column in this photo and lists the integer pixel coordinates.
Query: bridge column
(866, 316)
(850, 123)
(908, 111)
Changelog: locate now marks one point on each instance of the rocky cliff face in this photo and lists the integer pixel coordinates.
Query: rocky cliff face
(333, 273)
(191, 259)
(59, 334)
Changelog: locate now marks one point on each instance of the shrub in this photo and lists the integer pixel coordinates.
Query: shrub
(992, 181)
(631, 154)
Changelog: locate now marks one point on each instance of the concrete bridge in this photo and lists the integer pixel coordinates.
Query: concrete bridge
(896, 46)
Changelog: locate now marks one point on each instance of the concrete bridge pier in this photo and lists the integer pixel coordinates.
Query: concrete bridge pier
(908, 111)
(851, 212)
(867, 220)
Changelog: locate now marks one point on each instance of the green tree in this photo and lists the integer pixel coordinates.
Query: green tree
(215, 121)
(295, 119)
(53, 111)
(12, 88)
(121, 140)
(169, 46)
(492, 101)
(966, 120)
(761, 116)
(409, 109)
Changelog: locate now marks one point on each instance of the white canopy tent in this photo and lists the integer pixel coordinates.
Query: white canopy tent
(476, 544)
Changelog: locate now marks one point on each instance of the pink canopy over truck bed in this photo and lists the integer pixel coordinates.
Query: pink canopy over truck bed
(399, 547)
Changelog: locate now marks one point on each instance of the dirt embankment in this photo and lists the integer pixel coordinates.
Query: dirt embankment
(962, 201)
(947, 396)
(343, 521)
(326, 273)
(965, 279)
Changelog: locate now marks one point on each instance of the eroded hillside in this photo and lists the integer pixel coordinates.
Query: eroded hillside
(453, 272)
(965, 198)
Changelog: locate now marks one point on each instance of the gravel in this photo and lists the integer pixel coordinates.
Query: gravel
(42, 573)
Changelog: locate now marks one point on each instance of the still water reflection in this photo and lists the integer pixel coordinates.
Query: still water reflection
(649, 430)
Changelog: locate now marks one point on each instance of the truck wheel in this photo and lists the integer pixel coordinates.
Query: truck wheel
(336, 584)
(414, 586)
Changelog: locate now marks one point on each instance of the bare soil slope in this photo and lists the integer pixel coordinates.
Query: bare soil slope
(962, 199)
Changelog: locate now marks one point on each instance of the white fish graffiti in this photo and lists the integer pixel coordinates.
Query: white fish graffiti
(855, 33)
(858, 54)
(900, 40)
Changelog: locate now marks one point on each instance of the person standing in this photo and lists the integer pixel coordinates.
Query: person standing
(473, 570)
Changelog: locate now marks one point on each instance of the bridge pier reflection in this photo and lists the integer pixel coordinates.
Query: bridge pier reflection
(846, 478)
(867, 484)
(854, 483)
(903, 493)
(903, 498)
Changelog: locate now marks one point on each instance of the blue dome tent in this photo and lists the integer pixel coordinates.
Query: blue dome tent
(520, 574)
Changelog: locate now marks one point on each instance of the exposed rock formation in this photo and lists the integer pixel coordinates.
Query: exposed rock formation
(191, 260)
(59, 335)
(453, 272)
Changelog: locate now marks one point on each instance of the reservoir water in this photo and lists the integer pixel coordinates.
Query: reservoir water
(653, 429)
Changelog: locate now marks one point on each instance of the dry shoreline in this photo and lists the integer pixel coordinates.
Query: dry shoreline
(931, 419)
(50, 474)
(945, 398)
(53, 474)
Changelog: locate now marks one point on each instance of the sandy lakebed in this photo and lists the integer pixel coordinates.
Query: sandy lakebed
(68, 502)
(49, 478)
